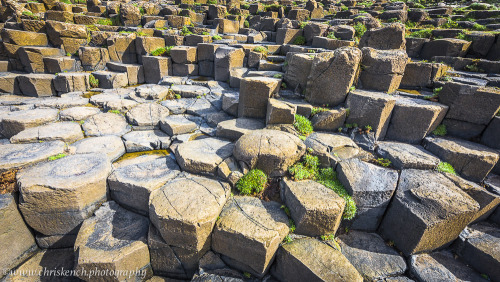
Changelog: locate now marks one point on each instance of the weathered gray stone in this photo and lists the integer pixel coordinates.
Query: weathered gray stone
(185, 211)
(370, 255)
(491, 136)
(18, 155)
(177, 124)
(105, 124)
(315, 209)
(473, 161)
(444, 47)
(279, 112)
(147, 92)
(139, 177)
(113, 239)
(427, 212)
(297, 70)
(254, 95)
(146, 140)
(233, 129)
(271, 151)
(147, 115)
(227, 58)
(370, 108)
(203, 155)
(330, 120)
(295, 262)
(78, 113)
(413, 119)
(16, 239)
(405, 156)
(382, 69)
(248, 234)
(331, 148)
(58, 195)
(441, 266)
(332, 75)
(18, 121)
(68, 132)
(109, 145)
(371, 188)
(156, 67)
(388, 37)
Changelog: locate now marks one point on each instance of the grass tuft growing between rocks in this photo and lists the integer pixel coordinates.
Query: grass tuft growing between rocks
(299, 40)
(440, 130)
(252, 183)
(94, 82)
(309, 169)
(56, 157)
(303, 125)
(446, 167)
(161, 51)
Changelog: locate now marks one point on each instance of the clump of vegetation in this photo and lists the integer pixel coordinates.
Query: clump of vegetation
(360, 29)
(287, 239)
(317, 110)
(303, 125)
(308, 168)
(423, 33)
(94, 82)
(435, 94)
(212, 2)
(473, 68)
(445, 167)
(185, 31)
(302, 25)
(56, 157)
(383, 162)
(278, 75)
(331, 35)
(115, 112)
(260, 49)
(246, 24)
(216, 37)
(463, 36)
(252, 183)
(440, 130)
(105, 21)
(327, 237)
(478, 27)
(299, 40)
(162, 51)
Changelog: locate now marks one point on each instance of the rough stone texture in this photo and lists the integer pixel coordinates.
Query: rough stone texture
(491, 136)
(331, 76)
(444, 47)
(147, 115)
(315, 209)
(113, 239)
(18, 121)
(479, 246)
(424, 116)
(279, 112)
(371, 188)
(271, 151)
(330, 120)
(405, 156)
(227, 58)
(37, 85)
(58, 195)
(145, 140)
(65, 131)
(109, 145)
(427, 212)
(203, 155)
(18, 155)
(177, 124)
(254, 95)
(78, 113)
(44, 262)
(16, 240)
(297, 71)
(156, 67)
(106, 124)
(441, 266)
(185, 211)
(233, 129)
(370, 255)
(331, 148)
(473, 161)
(383, 69)
(248, 234)
(311, 260)
(147, 92)
(386, 38)
(463, 101)
(139, 177)
(370, 108)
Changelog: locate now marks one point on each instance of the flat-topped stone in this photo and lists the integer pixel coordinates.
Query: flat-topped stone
(139, 178)
(57, 196)
(331, 148)
(18, 155)
(18, 121)
(404, 156)
(78, 113)
(110, 145)
(233, 129)
(66, 131)
(203, 155)
(177, 124)
(145, 140)
(105, 124)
